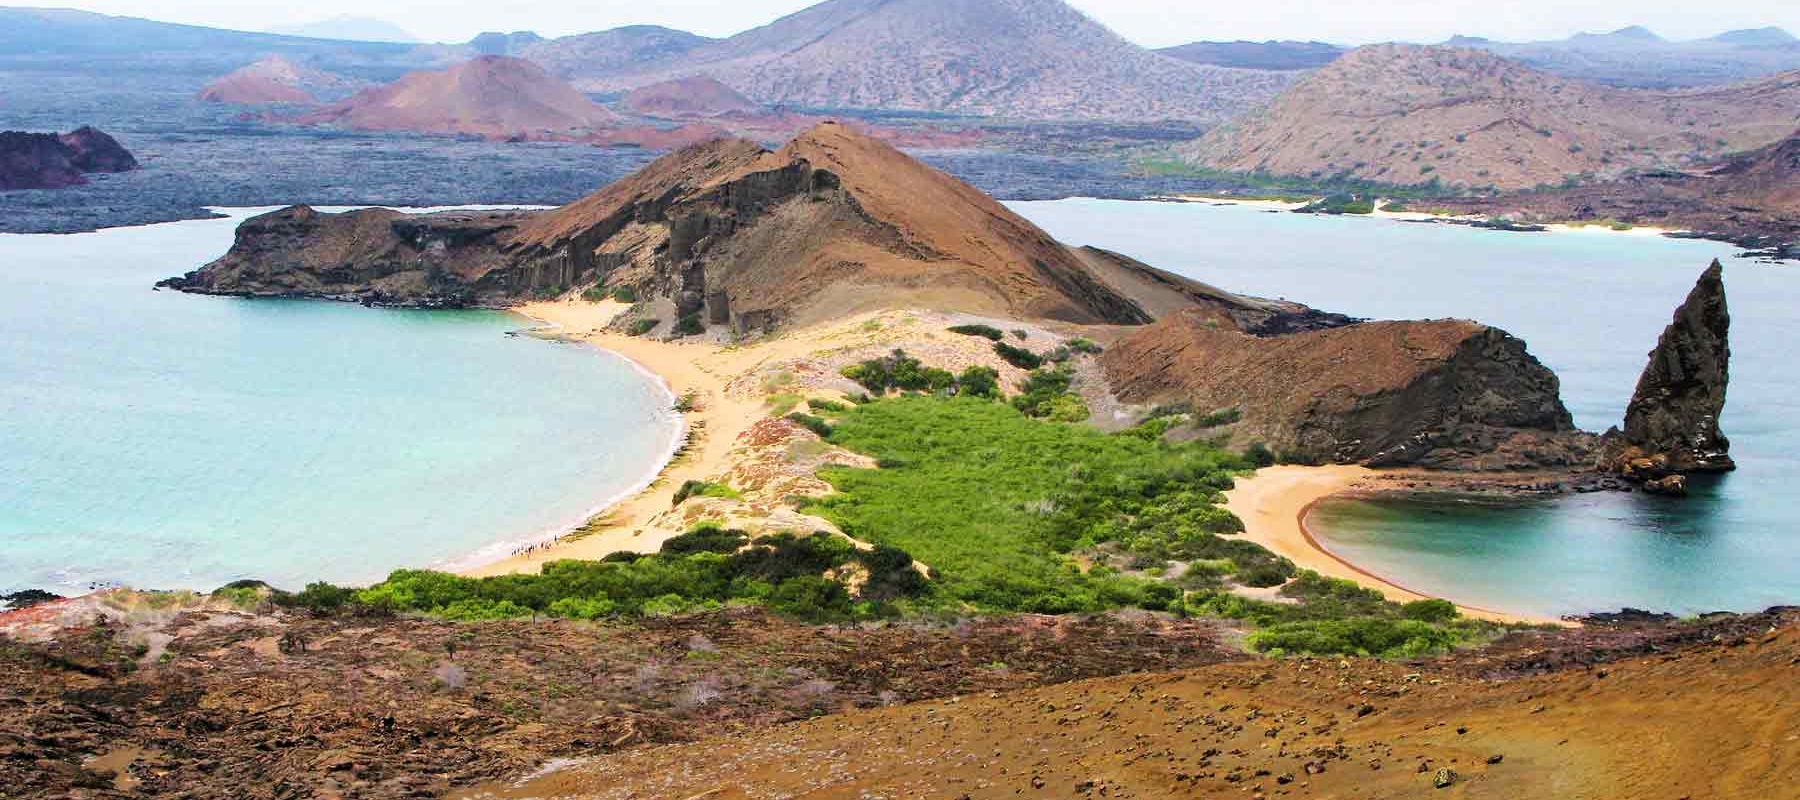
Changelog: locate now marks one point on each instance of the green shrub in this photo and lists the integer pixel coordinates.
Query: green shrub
(1083, 345)
(643, 325)
(812, 423)
(705, 539)
(1433, 610)
(1219, 418)
(318, 597)
(979, 381)
(690, 325)
(1259, 455)
(625, 293)
(1383, 638)
(1018, 356)
(594, 294)
(693, 489)
(828, 406)
(984, 331)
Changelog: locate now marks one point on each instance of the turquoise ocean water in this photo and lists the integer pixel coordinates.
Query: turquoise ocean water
(1590, 304)
(164, 440)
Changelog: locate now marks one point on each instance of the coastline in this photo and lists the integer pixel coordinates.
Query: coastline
(1274, 504)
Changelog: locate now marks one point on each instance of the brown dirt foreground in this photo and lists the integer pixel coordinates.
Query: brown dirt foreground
(1720, 719)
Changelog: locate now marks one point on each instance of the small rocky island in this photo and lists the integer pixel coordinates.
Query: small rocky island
(53, 161)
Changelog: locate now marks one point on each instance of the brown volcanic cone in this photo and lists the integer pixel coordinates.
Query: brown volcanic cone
(689, 98)
(272, 80)
(493, 96)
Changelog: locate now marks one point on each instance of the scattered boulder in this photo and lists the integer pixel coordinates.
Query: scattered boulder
(1444, 778)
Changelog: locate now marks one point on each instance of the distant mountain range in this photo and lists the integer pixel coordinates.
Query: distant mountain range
(1637, 57)
(1274, 55)
(349, 29)
(1412, 114)
(1033, 59)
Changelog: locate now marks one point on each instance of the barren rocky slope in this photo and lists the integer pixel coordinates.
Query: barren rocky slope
(1037, 59)
(1635, 56)
(1407, 114)
(1713, 720)
(688, 98)
(490, 96)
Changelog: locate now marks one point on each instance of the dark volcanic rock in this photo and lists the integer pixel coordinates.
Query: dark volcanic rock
(52, 161)
(1672, 423)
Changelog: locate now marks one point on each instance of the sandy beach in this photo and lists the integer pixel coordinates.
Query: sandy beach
(1273, 505)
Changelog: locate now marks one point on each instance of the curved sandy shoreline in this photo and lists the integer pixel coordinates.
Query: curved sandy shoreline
(1274, 504)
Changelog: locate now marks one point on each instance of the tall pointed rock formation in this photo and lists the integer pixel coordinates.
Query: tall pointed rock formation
(1673, 419)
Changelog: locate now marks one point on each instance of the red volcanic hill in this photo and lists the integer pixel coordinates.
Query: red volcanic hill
(274, 79)
(492, 96)
(688, 98)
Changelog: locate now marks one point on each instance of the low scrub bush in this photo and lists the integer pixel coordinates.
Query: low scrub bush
(984, 331)
(693, 572)
(692, 489)
(1018, 356)
(690, 325)
(643, 325)
(812, 423)
(1382, 638)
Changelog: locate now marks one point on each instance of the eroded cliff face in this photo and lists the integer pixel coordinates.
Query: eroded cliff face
(1446, 394)
(1672, 423)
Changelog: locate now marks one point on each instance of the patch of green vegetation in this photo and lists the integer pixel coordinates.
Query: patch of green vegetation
(819, 404)
(1219, 418)
(997, 503)
(643, 325)
(239, 596)
(1046, 395)
(1340, 204)
(688, 401)
(1083, 345)
(690, 325)
(899, 371)
(595, 293)
(984, 331)
(704, 489)
(625, 293)
(781, 403)
(694, 572)
(1018, 356)
(1330, 616)
(817, 425)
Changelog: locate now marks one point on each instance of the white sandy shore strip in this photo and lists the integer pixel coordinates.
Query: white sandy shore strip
(1273, 505)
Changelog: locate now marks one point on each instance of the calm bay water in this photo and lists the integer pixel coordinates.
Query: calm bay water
(1590, 305)
(166, 440)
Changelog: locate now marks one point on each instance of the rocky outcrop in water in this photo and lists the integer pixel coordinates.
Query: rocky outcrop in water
(1672, 423)
(53, 161)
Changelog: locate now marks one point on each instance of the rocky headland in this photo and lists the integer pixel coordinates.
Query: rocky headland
(53, 161)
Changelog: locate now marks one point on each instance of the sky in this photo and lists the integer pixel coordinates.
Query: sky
(1153, 23)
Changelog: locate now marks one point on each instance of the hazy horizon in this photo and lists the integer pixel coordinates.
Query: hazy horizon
(1152, 23)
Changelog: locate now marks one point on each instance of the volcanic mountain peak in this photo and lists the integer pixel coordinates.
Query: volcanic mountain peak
(273, 79)
(1024, 58)
(492, 96)
(688, 98)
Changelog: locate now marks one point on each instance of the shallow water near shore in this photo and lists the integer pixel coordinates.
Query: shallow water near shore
(164, 440)
(1590, 304)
